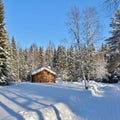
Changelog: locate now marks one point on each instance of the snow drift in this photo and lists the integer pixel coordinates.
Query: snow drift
(58, 111)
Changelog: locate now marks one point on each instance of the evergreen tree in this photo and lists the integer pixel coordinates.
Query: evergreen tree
(30, 60)
(114, 43)
(33, 57)
(15, 64)
(41, 62)
(49, 56)
(91, 66)
(20, 61)
(61, 64)
(55, 57)
(100, 64)
(8, 50)
(23, 64)
(104, 49)
(3, 46)
(36, 53)
(71, 64)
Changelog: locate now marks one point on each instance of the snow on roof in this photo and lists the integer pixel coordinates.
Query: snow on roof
(41, 69)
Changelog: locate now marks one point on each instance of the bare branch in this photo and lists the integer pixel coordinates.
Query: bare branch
(91, 26)
(73, 24)
(111, 5)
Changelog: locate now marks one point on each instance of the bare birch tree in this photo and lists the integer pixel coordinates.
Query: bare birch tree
(91, 34)
(91, 26)
(73, 25)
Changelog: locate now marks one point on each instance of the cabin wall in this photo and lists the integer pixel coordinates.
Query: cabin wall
(43, 76)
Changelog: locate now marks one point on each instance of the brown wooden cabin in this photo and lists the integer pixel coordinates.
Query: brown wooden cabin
(43, 75)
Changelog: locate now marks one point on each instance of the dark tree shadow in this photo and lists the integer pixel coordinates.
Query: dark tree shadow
(23, 105)
(56, 112)
(11, 112)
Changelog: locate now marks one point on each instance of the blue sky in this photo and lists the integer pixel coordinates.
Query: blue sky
(42, 21)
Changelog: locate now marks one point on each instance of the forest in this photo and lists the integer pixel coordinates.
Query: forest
(84, 59)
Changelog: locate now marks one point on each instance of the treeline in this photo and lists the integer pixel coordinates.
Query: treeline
(64, 61)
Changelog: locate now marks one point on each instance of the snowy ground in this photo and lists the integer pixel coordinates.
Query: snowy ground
(60, 101)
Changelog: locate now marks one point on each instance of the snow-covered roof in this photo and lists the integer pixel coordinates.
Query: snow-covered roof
(41, 69)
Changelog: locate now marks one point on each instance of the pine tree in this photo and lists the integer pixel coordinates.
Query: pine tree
(23, 64)
(71, 63)
(15, 65)
(3, 46)
(91, 66)
(30, 60)
(104, 48)
(37, 58)
(20, 61)
(55, 57)
(114, 44)
(49, 56)
(33, 57)
(100, 64)
(26, 65)
(8, 49)
(41, 62)
(61, 64)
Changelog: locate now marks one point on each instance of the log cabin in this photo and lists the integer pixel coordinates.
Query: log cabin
(43, 74)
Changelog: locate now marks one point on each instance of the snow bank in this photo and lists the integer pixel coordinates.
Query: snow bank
(58, 111)
(29, 115)
(95, 89)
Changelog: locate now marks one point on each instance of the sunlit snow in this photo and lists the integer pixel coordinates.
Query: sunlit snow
(60, 101)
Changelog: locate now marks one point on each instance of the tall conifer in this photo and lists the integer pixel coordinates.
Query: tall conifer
(3, 46)
(114, 43)
(15, 65)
